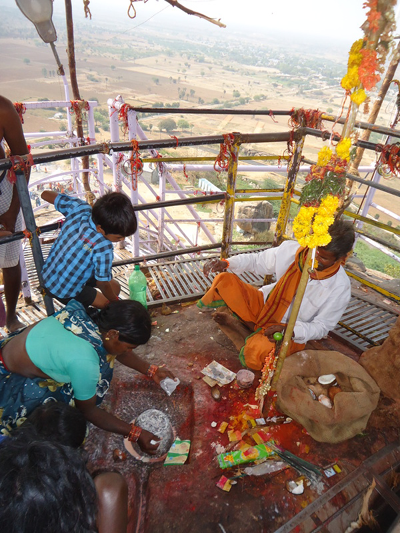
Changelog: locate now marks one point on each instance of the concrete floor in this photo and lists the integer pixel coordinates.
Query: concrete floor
(185, 498)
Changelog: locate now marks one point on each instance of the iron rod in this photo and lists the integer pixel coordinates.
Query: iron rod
(210, 111)
(25, 201)
(364, 182)
(172, 253)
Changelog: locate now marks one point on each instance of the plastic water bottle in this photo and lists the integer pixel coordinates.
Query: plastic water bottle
(137, 286)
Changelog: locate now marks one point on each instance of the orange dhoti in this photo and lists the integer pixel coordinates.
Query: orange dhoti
(247, 303)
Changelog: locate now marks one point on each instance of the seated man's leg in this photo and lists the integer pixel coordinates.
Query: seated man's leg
(241, 298)
(233, 328)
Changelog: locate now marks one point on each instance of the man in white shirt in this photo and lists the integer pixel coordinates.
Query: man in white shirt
(263, 312)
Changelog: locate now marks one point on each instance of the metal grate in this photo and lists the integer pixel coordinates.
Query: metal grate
(363, 324)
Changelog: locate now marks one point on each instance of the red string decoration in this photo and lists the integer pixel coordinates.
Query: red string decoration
(176, 140)
(225, 153)
(19, 164)
(310, 118)
(77, 108)
(123, 117)
(20, 108)
(185, 173)
(272, 116)
(135, 164)
(390, 157)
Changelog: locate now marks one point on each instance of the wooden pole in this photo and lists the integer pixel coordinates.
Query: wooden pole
(289, 329)
(75, 91)
(376, 108)
(230, 202)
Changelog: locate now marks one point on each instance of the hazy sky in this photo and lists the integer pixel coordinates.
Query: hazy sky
(327, 19)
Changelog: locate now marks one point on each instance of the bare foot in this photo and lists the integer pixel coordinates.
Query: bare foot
(232, 327)
(222, 318)
(14, 324)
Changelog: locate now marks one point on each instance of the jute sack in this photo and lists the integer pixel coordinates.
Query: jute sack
(352, 407)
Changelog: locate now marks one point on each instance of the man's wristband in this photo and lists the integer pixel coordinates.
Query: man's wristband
(226, 261)
(134, 433)
(151, 371)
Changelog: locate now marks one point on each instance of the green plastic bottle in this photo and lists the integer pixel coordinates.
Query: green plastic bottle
(137, 286)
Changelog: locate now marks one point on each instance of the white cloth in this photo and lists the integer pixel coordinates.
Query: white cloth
(9, 253)
(324, 301)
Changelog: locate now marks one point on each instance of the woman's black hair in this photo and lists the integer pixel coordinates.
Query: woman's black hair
(343, 237)
(44, 488)
(55, 422)
(128, 317)
(114, 213)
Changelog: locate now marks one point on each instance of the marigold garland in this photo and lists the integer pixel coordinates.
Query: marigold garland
(324, 156)
(343, 148)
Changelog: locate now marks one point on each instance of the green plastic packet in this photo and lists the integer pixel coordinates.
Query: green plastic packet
(178, 453)
(238, 457)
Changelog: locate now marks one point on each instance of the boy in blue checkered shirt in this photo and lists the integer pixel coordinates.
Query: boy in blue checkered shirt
(80, 260)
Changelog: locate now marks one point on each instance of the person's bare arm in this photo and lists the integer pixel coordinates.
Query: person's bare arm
(131, 360)
(11, 131)
(109, 422)
(107, 289)
(49, 196)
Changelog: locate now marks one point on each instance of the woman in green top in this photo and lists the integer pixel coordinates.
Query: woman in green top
(69, 357)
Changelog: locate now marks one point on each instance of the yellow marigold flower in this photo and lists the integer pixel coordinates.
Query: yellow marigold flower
(351, 79)
(328, 205)
(355, 57)
(323, 240)
(324, 156)
(358, 96)
(343, 148)
(356, 46)
(321, 224)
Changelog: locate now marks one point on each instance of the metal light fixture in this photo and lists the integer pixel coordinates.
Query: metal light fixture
(40, 12)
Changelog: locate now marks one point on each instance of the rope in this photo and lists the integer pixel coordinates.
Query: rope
(225, 153)
(20, 108)
(87, 9)
(19, 164)
(123, 117)
(131, 8)
(176, 140)
(135, 167)
(78, 107)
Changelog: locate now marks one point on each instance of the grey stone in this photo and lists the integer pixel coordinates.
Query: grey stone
(255, 210)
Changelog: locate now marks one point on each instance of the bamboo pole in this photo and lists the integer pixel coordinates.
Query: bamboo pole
(75, 92)
(284, 211)
(289, 329)
(230, 201)
(376, 108)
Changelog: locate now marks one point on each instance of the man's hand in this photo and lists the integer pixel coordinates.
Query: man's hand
(269, 332)
(4, 233)
(214, 265)
(161, 374)
(8, 220)
(144, 442)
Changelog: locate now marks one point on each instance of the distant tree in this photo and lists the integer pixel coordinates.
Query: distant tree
(113, 67)
(215, 101)
(26, 61)
(329, 110)
(150, 127)
(192, 91)
(156, 80)
(201, 101)
(389, 222)
(167, 124)
(376, 217)
(236, 94)
(175, 104)
(183, 124)
(63, 127)
(202, 72)
(158, 104)
(44, 72)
